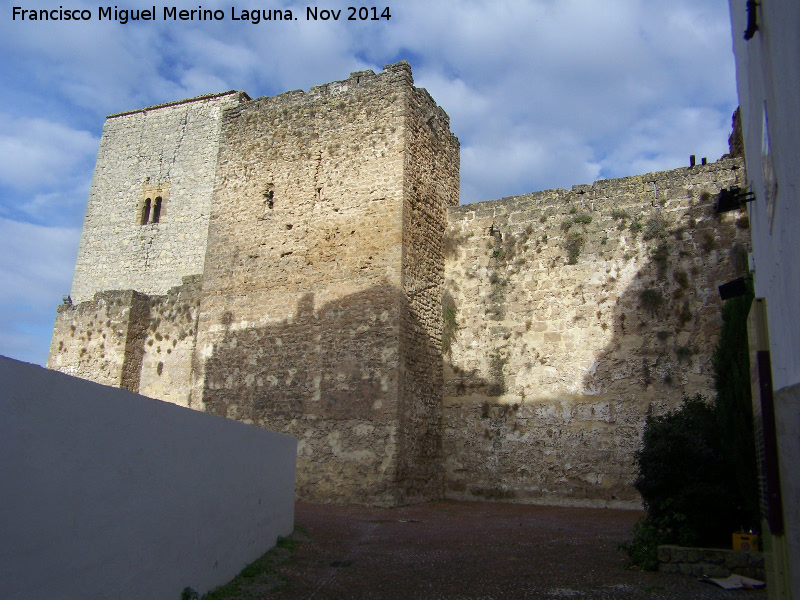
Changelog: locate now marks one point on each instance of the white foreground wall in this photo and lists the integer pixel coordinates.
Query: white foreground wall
(108, 494)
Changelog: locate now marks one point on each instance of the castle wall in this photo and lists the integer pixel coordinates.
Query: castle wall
(514, 357)
(303, 304)
(166, 152)
(99, 339)
(430, 186)
(168, 343)
(141, 343)
(565, 326)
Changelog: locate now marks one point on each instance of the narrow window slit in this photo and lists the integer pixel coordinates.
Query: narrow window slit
(146, 212)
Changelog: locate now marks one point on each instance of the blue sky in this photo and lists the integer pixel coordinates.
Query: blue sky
(541, 94)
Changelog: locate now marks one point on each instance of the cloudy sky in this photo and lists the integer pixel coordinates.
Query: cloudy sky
(541, 94)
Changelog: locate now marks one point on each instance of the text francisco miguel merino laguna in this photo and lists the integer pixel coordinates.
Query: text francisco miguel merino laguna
(172, 13)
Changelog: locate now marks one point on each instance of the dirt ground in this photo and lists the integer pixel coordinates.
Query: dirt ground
(469, 550)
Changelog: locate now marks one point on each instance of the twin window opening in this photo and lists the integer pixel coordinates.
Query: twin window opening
(153, 216)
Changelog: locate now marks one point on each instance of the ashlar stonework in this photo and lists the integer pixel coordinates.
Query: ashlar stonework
(300, 262)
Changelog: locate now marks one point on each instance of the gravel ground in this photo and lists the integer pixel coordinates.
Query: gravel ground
(470, 550)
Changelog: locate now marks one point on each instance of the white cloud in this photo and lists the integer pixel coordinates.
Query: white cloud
(541, 93)
(37, 152)
(667, 139)
(585, 81)
(36, 265)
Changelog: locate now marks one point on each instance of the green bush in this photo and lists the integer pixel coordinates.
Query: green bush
(651, 299)
(573, 244)
(450, 322)
(682, 475)
(655, 227)
(583, 219)
(648, 535)
(697, 466)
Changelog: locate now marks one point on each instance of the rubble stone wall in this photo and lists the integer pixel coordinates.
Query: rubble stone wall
(168, 343)
(711, 562)
(303, 303)
(577, 314)
(96, 339)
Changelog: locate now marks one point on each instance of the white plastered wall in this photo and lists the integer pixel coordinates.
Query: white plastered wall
(109, 494)
(768, 80)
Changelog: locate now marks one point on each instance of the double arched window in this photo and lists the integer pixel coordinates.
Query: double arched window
(151, 211)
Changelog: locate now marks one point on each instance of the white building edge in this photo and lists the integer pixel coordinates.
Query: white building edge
(766, 44)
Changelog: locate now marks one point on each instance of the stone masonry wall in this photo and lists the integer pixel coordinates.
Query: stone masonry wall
(302, 305)
(166, 151)
(711, 562)
(572, 315)
(137, 342)
(95, 339)
(430, 186)
(515, 357)
(168, 343)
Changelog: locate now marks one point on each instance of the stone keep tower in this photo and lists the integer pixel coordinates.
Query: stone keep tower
(145, 229)
(318, 312)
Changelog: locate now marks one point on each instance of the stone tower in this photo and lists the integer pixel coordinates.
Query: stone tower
(319, 217)
(320, 308)
(145, 229)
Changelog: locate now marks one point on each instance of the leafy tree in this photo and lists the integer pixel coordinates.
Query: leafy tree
(684, 476)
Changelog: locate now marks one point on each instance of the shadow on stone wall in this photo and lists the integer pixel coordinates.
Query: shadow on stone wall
(666, 323)
(578, 447)
(332, 376)
(665, 327)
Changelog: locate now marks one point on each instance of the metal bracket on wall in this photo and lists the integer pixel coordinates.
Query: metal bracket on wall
(752, 20)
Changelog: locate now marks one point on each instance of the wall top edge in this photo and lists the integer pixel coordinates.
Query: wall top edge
(393, 73)
(603, 184)
(243, 97)
(368, 76)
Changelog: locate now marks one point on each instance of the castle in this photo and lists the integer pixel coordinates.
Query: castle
(300, 262)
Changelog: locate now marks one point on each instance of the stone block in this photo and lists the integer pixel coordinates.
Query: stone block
(736, 560)
(714, 571)
(678, 554)
(669, 568)
(664, 554)
(714, 557)
(755, 559)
